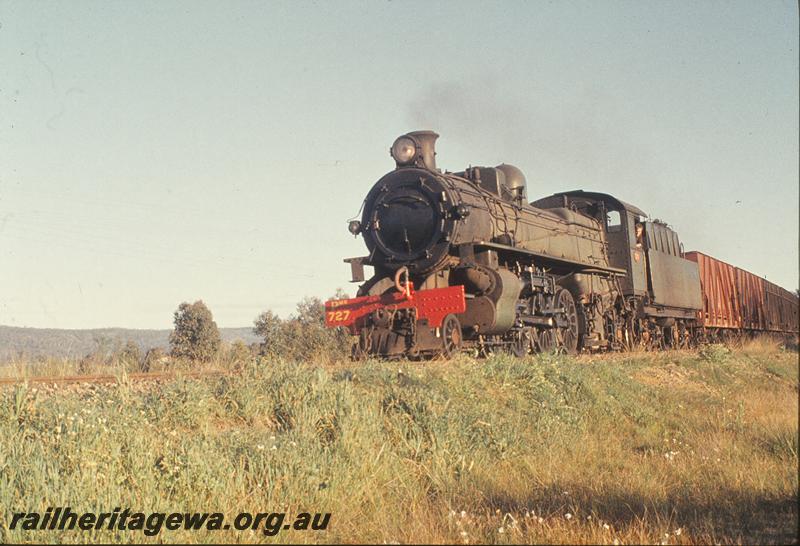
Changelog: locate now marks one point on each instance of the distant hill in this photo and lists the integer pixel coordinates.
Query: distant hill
(35, 342)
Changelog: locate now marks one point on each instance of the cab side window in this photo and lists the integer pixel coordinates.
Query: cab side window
(639, 231)
(613, 221)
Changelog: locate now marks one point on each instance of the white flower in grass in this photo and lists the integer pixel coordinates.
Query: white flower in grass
(463, 514)
(260, 447)
(568, 515)
(606, 526)
(678, 531)
(501, 530)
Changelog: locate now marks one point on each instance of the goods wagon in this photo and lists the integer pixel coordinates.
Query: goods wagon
(737, 299)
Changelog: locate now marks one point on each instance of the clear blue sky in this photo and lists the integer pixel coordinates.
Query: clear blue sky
(152, 153)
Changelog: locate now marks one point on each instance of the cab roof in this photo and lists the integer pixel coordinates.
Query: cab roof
(604, 197)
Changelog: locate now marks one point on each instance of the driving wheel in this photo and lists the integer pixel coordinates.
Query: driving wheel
(547, 340)
(569, 333)
(521, 343)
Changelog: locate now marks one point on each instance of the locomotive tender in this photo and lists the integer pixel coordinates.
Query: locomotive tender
(461, 259)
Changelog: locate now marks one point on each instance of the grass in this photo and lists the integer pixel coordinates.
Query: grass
(22, 367)
(680, 447)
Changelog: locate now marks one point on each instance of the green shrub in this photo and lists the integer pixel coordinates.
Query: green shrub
(715, 353)
(303, 336)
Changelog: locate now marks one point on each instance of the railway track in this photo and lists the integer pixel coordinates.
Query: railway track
(107, 378)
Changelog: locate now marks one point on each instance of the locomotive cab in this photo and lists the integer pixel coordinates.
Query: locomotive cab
(659, 275)
(626, 247)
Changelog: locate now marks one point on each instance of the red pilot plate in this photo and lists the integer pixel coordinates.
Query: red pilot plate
(431, 305)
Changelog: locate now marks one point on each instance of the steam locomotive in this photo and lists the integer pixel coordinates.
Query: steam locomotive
(462, 260)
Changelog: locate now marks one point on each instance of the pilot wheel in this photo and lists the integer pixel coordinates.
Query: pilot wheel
(451, 336)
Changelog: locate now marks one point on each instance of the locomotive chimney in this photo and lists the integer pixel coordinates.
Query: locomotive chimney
(426, 141)
(417, 148)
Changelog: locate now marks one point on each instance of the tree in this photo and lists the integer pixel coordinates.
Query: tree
(196, 335)
(269, 326)
(311, 311)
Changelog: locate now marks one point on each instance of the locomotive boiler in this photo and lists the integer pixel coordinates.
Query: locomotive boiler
(461, 259)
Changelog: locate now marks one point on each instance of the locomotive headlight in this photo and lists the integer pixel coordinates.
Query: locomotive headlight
(354, 227)
(403, 150)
